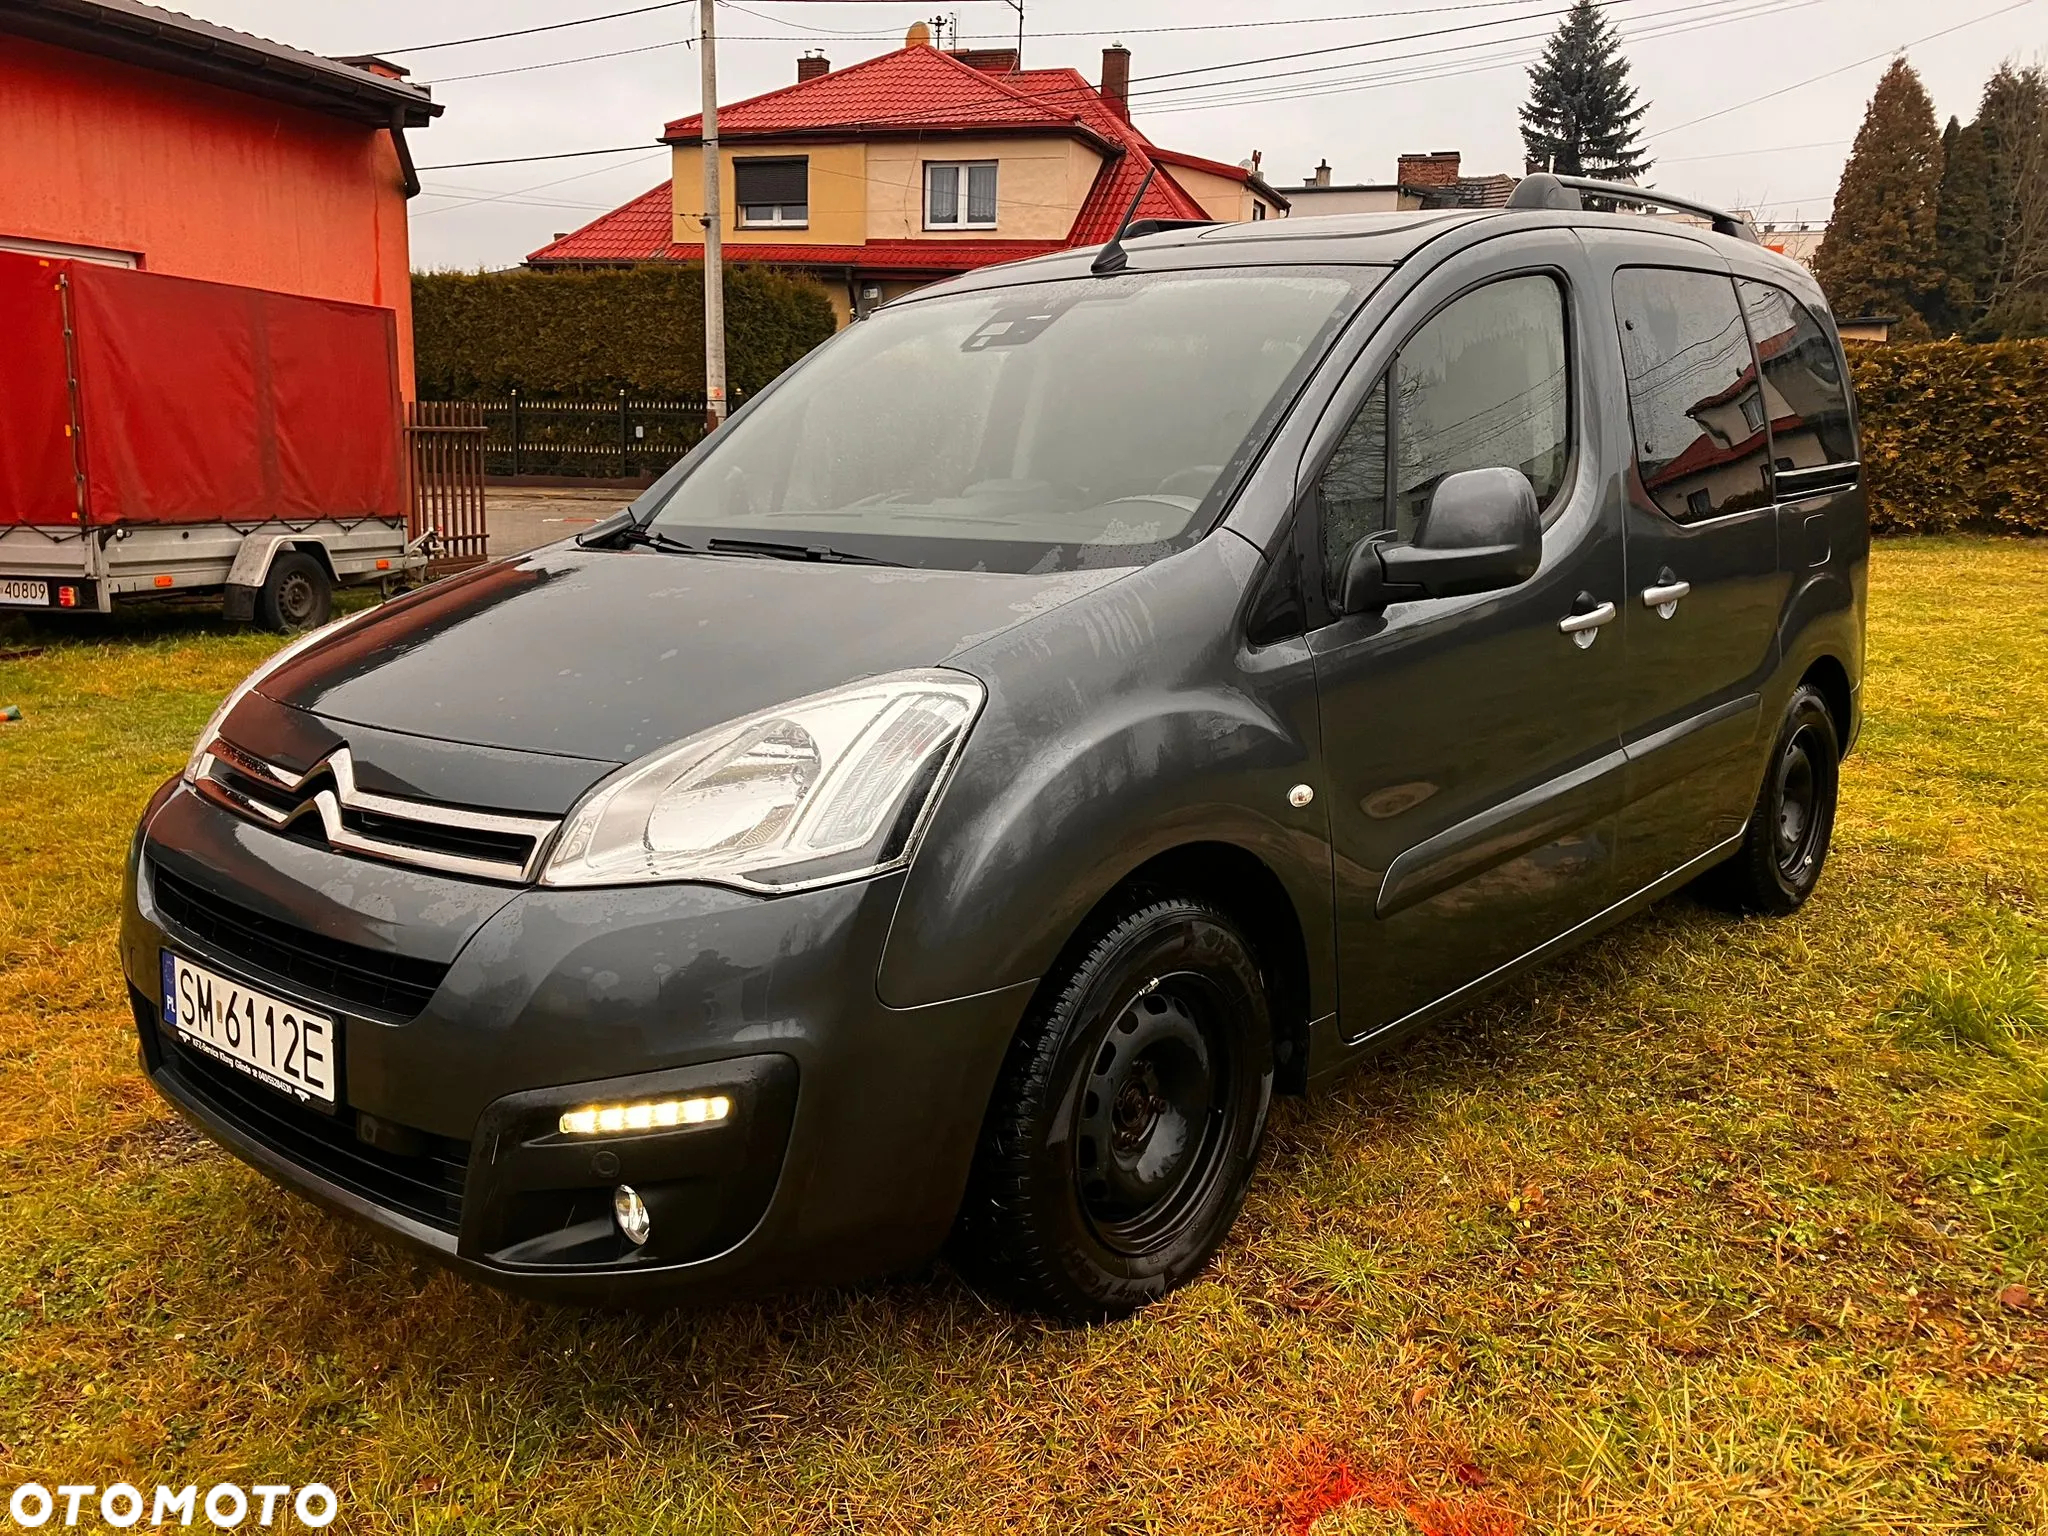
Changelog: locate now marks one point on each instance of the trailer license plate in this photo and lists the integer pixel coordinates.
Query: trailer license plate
(23, 592)
(276, 1042)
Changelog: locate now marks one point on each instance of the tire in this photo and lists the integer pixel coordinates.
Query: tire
(1126, 1123)
(1785, 845)
(296, 595)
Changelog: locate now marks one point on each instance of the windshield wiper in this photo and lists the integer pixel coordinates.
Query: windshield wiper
(780, 551)
(652, 539)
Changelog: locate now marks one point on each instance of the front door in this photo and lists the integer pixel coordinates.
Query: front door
(1471, 746)
(1704, 591)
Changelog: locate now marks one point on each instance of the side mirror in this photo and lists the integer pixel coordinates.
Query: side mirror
(1481, 533)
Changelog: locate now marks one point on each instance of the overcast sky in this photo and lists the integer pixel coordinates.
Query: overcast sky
(1360, 107)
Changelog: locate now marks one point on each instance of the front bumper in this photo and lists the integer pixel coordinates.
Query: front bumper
(852, 1124)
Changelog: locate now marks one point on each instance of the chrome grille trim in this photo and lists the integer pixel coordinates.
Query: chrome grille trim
(330, 802)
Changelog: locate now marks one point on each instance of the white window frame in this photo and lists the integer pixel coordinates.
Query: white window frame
(781, 215)
(961, 169)
(780, 219)
(58, 250)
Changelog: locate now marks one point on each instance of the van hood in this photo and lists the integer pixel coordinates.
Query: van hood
(610, 655)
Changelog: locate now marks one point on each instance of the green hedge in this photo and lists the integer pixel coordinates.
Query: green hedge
(1955, 436)
(570, 335)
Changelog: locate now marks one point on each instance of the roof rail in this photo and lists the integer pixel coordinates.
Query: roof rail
(1543, 190)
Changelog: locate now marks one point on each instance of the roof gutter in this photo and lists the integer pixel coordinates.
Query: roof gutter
(412, 175)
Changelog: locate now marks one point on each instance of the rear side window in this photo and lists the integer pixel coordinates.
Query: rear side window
(1804, 390)
(1701, 435)
(1483, 384)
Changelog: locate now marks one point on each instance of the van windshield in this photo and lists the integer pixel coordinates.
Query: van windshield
(1054, 426)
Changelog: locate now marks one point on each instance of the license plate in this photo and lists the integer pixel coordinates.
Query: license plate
(278, 1043)
(22, 592)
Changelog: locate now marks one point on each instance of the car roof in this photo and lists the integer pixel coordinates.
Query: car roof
(1335, 239)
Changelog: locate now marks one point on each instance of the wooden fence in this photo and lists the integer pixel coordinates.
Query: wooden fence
(446, 439)
(622, 436)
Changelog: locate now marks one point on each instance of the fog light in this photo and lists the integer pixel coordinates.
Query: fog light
(653, 1115)
(631, 1213)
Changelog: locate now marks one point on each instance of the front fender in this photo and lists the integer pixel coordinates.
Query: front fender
(1125, 725)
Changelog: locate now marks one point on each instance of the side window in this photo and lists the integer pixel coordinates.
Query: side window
(1353, 490)
(1701, 435)
(1803, 388)
(1485, 383)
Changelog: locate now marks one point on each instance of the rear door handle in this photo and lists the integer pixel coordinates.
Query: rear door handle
(1664, 596)
(1584, 626)
(1592, 618)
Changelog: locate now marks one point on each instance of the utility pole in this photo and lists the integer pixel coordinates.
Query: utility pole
(714, 253)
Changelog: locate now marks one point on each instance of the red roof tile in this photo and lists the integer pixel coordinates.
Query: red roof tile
(912, 90)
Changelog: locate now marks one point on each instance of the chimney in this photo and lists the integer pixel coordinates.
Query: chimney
(1321, 177)
(370, 63)
(1116, 79)
(1438, 168)
(812, 65)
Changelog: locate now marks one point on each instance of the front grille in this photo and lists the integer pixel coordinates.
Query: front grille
(427, 1188)
(324, 806)
(395, 987)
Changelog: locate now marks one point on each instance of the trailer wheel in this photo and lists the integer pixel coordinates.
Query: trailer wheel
(296, 595)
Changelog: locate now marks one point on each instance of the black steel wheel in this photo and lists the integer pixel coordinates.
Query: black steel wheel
(296, 595)
(1127, 1121)
(1786, 843)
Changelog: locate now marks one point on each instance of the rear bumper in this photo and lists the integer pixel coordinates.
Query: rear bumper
(844, 1155)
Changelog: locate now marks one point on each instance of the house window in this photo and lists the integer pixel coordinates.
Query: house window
(1753, 412)
(1258, 212)
(960, 195)
(773, 194)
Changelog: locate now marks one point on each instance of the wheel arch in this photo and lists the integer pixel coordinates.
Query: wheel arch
(1246, 889)
(1827, 674)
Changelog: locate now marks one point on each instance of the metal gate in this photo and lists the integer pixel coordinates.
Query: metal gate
(446, 438)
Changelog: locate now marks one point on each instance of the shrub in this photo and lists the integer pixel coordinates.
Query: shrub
(1955, 436)
(568, 335)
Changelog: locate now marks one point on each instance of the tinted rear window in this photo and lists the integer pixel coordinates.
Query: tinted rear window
(1803, 383)
(1702, 445)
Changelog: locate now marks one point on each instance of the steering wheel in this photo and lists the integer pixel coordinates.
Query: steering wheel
(1194, 481)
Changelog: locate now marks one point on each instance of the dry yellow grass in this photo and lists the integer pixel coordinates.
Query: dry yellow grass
(1713, 1227)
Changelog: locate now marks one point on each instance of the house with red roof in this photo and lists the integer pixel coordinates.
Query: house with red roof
(916, 165)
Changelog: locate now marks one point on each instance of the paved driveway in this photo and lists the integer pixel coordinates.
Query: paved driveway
(523, 517)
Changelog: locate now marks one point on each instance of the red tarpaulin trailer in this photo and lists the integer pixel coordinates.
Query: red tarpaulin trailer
(132, 402)
(194, 402)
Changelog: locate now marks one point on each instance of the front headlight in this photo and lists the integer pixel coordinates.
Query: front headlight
(832, 787)
(195, 765)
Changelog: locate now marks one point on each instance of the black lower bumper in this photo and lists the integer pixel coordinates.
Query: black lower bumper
(842, 1153)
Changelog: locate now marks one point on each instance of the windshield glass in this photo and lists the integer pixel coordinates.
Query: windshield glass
(1054, 426)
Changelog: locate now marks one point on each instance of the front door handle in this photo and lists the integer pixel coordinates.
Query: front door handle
(1664, 595)
(1584, 624)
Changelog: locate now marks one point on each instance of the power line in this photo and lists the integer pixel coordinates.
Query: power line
(565, 154)
(1224, 86)
(856, 35)
(1761, 149)
(1844, 69)
(1444, 70)
(553, 26)
(1743, 10)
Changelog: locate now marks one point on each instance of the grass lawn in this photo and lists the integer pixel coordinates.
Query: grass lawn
(1714, 1226)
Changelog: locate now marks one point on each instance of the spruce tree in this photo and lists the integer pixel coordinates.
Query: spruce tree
(1963, 230)
(1880, 255)
(2013, 118)
(1581, 116)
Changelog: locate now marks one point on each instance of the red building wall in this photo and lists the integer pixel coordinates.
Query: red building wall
(202, 182)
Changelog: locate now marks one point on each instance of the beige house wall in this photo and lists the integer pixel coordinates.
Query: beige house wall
(1040, 184)
(1310, 202)
(1226, 200)
(838, 188)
